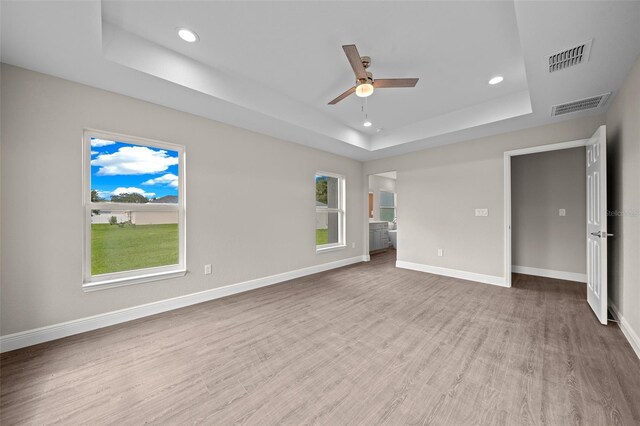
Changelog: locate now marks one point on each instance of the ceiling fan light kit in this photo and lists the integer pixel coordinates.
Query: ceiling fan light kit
(364, 89)
(365, 84)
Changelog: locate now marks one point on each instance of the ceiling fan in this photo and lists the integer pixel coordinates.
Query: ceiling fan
(365, 84)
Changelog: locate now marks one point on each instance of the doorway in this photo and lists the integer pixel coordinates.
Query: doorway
(382, 213)
(508, 156)
(595, 225)
(548, 214)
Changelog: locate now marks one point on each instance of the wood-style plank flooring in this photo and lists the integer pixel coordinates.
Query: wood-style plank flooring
(365, 344)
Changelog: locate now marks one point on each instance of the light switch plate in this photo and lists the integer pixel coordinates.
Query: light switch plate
(440, 252)
(562, 212)
(207, 269)
(482, 212)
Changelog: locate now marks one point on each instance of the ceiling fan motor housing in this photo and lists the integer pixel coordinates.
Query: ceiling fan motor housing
(369, 79)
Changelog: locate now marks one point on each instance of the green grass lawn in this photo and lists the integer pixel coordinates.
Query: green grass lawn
(115, 249)
(322, 236)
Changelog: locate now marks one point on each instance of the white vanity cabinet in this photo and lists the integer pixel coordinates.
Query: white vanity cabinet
(378, 236)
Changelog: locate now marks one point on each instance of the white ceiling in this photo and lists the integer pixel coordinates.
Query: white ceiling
(273, 66)
(295, 49)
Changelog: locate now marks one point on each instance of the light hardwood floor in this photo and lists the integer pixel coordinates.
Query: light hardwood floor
(365, 344)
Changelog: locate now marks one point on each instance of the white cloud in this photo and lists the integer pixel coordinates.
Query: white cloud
(132, 190)
(94, 152)
(133, 160)
(100, 142)
(169, 179)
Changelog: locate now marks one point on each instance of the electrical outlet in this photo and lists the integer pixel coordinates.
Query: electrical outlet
(353, 245)
(562, 212)
(482, 212)
(207, 269)
(440, 252)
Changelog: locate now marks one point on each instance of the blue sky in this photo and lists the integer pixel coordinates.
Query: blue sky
(118, 167)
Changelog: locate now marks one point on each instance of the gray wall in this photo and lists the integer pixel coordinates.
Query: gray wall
(377, 183)
(623, 153)
(541, 184)
(439, 188)
(250, 200)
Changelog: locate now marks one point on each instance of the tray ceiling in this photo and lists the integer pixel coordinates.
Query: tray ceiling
(273, 66)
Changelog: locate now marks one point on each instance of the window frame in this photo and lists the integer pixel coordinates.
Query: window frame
(394, 207)
(116, 279)
(341, 210)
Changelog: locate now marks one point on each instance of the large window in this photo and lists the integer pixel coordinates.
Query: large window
(134, 210)
(387, 206)
(330, 217)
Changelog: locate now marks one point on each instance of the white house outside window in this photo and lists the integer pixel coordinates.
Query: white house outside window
(330, 212)
(134, 210)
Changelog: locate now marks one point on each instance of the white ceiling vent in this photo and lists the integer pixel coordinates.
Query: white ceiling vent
(581, 105)
(570, 57)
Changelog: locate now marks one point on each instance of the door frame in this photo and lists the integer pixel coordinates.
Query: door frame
(507, 192)
(365, 226)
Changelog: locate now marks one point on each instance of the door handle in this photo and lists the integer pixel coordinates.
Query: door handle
(601, 234)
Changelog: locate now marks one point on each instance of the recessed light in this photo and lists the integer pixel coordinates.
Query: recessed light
(188, 35)
(367, 123)
(495, 80)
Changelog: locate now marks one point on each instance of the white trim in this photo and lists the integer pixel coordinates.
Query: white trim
(626, 329)
(116, 279)
(550, 273)
(454, 273)
(57, 331)
(550, 147)
(507, 192)
(127, 280)
(507, 219)
(341, 210)
(330, 247)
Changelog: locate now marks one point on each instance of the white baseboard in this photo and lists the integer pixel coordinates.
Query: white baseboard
(628, 332)
(57, 331)
(463, 275)
(549, 273)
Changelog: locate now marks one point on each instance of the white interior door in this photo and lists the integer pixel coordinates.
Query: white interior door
(597, 224)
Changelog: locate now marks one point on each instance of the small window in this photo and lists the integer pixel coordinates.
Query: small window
(387, 206)
(134, 210)
(330, 219)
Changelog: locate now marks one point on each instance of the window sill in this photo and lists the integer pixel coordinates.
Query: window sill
(119, 282)
(330, 248)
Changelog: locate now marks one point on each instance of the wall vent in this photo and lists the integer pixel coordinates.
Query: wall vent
(566, 58)
(581, 105)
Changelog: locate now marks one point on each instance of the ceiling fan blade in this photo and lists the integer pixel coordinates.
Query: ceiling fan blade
(344, 95)
(354, 59)
(382, 83)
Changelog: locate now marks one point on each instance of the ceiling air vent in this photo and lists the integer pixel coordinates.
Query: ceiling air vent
(581, 105)
(570, 57)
